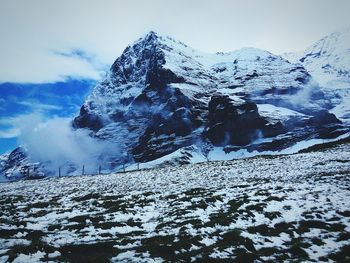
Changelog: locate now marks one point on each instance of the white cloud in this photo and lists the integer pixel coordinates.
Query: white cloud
(54, 142)
(2, 102)
(13, 126)
(31, 65)
(31, 30)
(9, 133)
(36, 106)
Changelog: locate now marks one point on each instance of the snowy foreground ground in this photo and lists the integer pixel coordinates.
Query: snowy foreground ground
(283, 208)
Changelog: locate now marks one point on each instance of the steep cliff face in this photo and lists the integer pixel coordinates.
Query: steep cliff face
(162, 98)
(161, 95)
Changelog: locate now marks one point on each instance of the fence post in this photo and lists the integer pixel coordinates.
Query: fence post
(28, 171)
(138, 166)
(124, 167)
(99, 169)
(83, 170)
(59, 171)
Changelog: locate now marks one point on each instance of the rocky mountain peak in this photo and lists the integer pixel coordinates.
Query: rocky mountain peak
(328, 59)
(328, 62)
(161, 97)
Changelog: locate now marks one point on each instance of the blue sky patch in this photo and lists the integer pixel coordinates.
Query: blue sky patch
(60, 99)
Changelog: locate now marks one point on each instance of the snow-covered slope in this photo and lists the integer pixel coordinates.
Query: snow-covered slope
(161, 96)
(291, 208)
(16, 165)
(328, 62)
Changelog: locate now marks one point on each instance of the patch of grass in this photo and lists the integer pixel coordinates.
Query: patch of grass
(133, 223)
(96, 218)
(97, 252)
(159, 246)
(213, 199)
(196, 191)
(113, 206)
(168, 224)
(108, 225)
(40, 205)
(264, 230)
(344, 236)
(79, 219)
(243, 256)
(234, 238)
(297, 251)
(75, 227)
(234, 205)
(148, 193)
(262, 192)
(86, 197)
(242, 185)
(35, 245)
(325, 146)
(343, 255)
(199, 204)
(13, 221)
(336, 227)
(287, 207)
(274, 198)
(220, 218)
(54, 227)
(317, 241)
(8, 233)
(170, 197)
(306, 225)
(259, 207)
(273, 253)
(272, 215)
(345, 213)
(112, 197)
(39, 213)
(285, 227)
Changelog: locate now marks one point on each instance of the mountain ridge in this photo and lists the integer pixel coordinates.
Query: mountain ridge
(328, 61)
(161, 96)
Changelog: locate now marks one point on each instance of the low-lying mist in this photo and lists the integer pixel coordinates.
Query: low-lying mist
(55, 143)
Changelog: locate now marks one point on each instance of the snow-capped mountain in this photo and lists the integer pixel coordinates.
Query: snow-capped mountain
(162, 99)
(328, 62)
(161, 95)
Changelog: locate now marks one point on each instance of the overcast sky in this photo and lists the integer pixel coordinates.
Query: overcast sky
(38, 36)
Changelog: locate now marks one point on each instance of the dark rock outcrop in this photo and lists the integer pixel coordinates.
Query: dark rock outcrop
(233, 122)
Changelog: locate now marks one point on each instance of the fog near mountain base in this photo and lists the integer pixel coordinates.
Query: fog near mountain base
(303, 96)
(56, 144)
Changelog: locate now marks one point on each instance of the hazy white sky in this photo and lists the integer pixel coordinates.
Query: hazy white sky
(35, 33)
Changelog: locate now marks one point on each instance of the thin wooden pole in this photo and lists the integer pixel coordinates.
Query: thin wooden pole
(59, 172)
(99, 169)
(83, 170)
